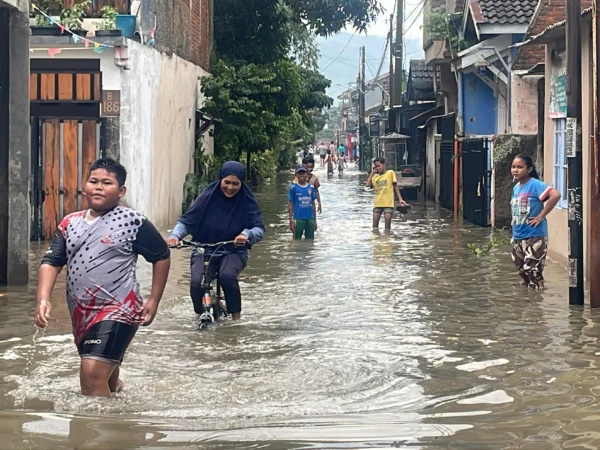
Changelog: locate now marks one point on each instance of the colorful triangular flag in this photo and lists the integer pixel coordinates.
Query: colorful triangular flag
(75, 38)
(86, 42)
(62, 29)
(54, 51)
(99, 48)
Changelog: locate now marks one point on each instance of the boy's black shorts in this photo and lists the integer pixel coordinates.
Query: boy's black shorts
(107, 341)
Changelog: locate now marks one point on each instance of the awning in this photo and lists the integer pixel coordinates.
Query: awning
(434, 118)
(425, 113)
(394, 136)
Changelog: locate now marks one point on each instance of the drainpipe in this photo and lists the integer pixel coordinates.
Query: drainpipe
(460, 115)
(595, 172)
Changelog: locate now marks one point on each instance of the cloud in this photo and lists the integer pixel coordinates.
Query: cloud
(413, 19)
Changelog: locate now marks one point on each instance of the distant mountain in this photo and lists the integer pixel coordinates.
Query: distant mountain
(344, 70)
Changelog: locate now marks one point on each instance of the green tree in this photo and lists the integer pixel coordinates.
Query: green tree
(264, 87)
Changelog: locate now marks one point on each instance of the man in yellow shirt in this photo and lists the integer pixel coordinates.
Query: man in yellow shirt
(385, 185)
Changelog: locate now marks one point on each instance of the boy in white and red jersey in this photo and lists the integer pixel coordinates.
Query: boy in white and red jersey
(100, 247)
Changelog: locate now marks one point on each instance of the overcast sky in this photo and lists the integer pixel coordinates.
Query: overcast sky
(413, 19)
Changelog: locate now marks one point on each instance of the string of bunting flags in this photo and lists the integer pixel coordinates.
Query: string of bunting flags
(97, 47)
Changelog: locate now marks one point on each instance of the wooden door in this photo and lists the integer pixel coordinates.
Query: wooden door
(67, 148)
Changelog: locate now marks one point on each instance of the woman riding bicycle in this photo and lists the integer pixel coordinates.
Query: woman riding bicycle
(225, 211)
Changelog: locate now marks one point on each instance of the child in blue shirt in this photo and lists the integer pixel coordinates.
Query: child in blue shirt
(301, 206)
(532, 200)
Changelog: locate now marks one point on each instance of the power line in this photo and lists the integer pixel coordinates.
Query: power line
(340, 54)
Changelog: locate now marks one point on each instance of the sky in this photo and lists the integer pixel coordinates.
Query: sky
(339, 59)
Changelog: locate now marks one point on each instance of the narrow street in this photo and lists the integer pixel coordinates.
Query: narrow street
(357, 340)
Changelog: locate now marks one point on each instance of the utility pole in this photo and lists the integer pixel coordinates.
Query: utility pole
(595, 173)
(361, 109)
(574, 156)
(399, 54)
(391, 74)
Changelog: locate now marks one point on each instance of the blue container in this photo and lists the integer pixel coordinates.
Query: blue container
(126, 23)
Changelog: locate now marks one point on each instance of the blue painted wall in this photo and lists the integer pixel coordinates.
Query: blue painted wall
(480, 107)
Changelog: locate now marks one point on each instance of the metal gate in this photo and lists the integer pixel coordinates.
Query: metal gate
(476, 181)
(62, 151)
(446, 160)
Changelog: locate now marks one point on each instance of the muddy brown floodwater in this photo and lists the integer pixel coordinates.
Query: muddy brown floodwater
(354, 341)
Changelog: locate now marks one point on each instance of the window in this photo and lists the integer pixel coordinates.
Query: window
(559, 177)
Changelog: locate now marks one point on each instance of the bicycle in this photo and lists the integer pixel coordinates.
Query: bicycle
(212, 310)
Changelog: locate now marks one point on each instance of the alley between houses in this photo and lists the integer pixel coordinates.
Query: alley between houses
(356, 340)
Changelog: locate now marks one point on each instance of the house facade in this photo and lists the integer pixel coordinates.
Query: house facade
(134, 98)
(14, 142)
(549, 31)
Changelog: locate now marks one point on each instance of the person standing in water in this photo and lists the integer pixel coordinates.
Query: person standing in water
(100, 247)
(301, 206)
(309, 162)
(385, 185)
(532, 200)
(322, 153)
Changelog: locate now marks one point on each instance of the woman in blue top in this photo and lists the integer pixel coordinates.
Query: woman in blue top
(225, 211)
(532, 200)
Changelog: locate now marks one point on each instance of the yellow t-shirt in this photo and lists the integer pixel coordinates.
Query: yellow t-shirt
(384, 189)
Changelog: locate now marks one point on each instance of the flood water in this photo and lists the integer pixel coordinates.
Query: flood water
(357, 340)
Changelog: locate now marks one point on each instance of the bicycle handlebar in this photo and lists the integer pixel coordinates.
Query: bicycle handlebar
(185, 243)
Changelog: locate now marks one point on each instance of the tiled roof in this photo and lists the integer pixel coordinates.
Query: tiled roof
(503, 12)
(420, 81)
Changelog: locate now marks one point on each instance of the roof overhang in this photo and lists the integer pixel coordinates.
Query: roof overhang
(486, 51)
(425, 113)
(498, 28)
(432, 118)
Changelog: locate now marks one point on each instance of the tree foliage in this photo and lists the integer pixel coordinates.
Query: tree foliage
(264, 87)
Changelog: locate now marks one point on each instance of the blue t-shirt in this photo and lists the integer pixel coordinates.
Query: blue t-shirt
(528, 202)
(302, 198)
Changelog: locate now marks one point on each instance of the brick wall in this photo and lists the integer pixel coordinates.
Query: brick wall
(547, 13)
(550, 12)
(184, 27)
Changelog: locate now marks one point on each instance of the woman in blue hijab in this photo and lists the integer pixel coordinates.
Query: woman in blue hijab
(225, 211)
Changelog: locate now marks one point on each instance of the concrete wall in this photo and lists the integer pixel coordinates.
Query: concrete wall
(558, 247)
(20, 5)
(480, 115)
(432, 170)
(524, 106)
(159, 96)
(14, 176)
(505, 148)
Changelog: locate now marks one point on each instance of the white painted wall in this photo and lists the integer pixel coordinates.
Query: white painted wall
(524, 113)
(430, 170)
(111, 74)
(159, 98)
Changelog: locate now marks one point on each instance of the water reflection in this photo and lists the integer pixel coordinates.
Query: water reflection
(356, 340)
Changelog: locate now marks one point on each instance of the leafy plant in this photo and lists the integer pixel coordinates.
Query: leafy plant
(501, 239)
(72, 18)
(40, 19)
(440, 26)
(109, 19)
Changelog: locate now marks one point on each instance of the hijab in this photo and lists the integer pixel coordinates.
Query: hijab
(213, 217)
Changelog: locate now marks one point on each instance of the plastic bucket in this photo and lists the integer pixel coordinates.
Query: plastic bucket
(126, 23)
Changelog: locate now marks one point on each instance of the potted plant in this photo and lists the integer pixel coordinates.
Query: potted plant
(108, 25)
(42, 26)
(72, 18)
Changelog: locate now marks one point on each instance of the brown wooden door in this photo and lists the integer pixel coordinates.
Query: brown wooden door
(66, 150)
